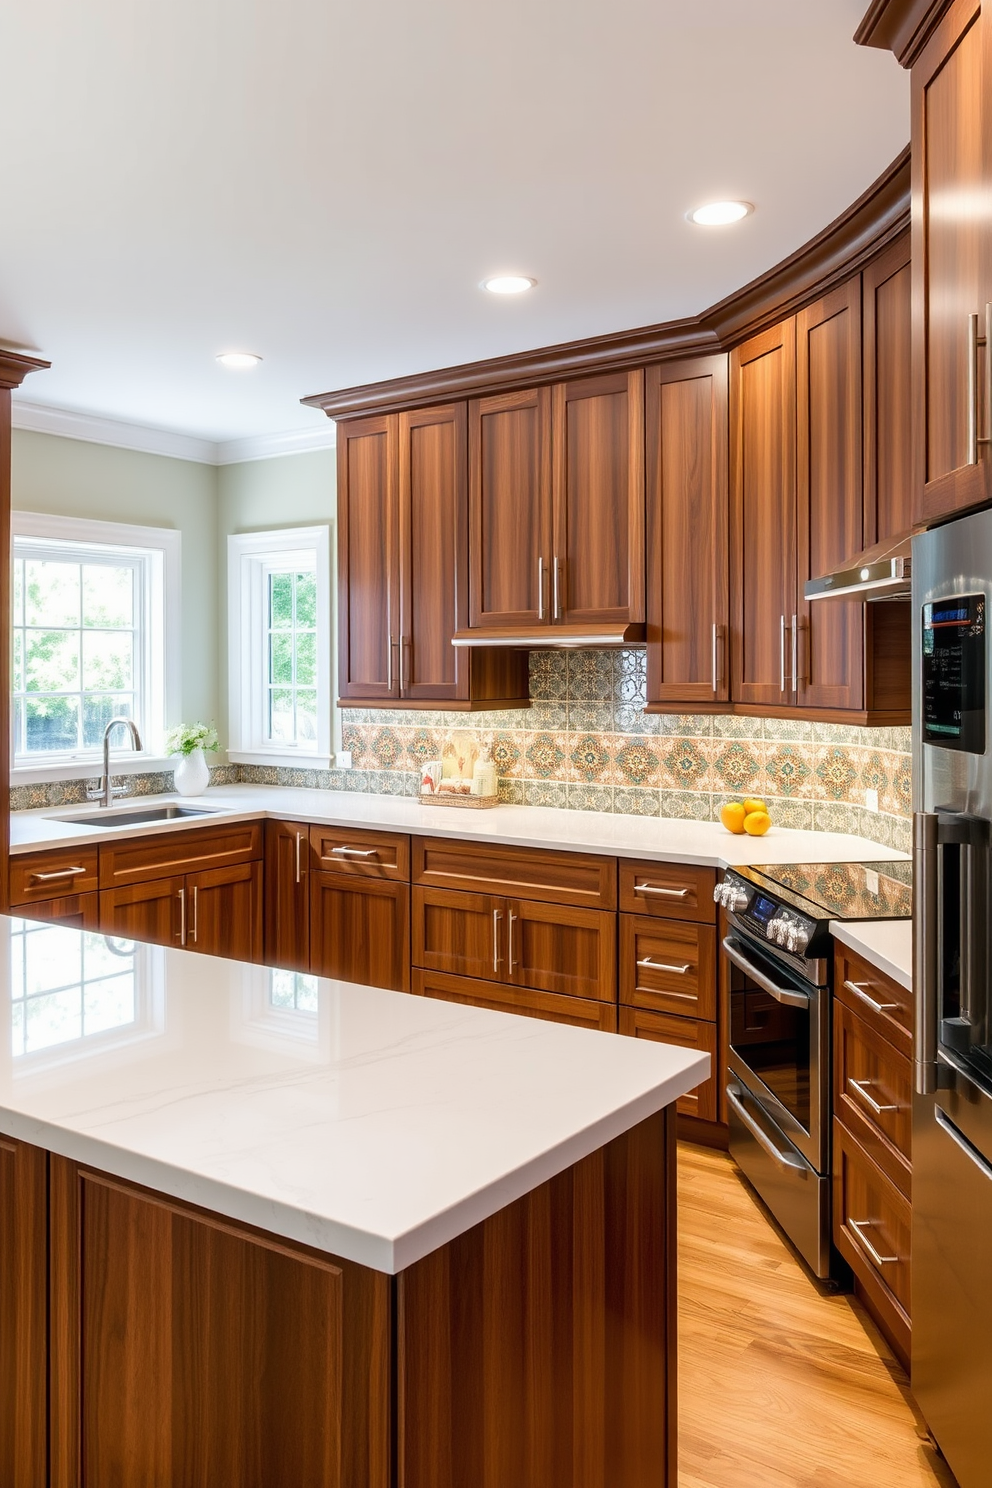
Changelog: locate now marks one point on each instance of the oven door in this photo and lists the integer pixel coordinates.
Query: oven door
(779, 1043)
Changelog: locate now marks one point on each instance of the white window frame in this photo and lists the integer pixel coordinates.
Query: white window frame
(160, 551)
(250, 557)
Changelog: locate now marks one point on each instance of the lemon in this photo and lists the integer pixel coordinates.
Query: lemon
(756, 823)
(752, 804)
(732, 815)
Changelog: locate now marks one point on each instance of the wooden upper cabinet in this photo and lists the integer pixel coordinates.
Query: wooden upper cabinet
(433, 556)
(826, 661)
(763, 515)
(368, 559)
(597, 562)
(687, 517)
(888, 399)
(510, 509)
(952, 261)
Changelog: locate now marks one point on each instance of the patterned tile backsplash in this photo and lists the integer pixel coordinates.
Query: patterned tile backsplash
(587, 743)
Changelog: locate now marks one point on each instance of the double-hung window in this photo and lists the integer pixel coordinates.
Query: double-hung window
(279, 652)
(92, 606)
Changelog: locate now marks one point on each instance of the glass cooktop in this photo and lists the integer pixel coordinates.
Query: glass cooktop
(841, 891)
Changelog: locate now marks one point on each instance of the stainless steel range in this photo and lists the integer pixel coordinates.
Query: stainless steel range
(778, 951)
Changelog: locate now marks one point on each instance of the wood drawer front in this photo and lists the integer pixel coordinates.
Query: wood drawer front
(579, 1012)
(554, 948)
(462, 934)
(870, 1072)
(881, 1002)
(686, 1033)
(144, 911)
(871, 1214)
(673, 890)
(354, 850)
(78, 911)
(191, 851)
(668, 966)
(46, 875)
(523, 872)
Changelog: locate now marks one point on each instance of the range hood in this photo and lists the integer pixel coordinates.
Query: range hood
(558, 636)
(880, 572)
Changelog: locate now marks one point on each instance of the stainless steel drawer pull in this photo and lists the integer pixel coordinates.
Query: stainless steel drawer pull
(857, 1225)
(355, 852)
(664, 966)
(299, 839)
(787, 996)
(784, 1159)
(858, 989)
(182, 916)
(860, 1087)
(56, 873)
(192, 934)
(509, 940)
(665, 893)
(496, 955)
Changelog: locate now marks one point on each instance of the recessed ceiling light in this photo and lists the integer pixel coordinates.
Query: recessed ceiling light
(239, 359)
(719, 214)
(508, 284)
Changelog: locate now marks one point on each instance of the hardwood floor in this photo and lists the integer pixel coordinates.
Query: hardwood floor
(781, 1385)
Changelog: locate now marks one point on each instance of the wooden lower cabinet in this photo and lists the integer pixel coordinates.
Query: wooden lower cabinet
(873, 1230)
(688, 1033)
(224, 912)
(360, 929)
(23, 1315)
(145, 911)
(52, 873)
(80, 911)
(286, 932)
(668, 966)
(578, 1011)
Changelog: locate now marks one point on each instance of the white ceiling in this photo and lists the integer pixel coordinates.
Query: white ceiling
(326, 183)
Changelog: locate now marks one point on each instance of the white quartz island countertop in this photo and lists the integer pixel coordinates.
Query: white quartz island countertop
(663, 839)
(887, 944)
(373, 1125)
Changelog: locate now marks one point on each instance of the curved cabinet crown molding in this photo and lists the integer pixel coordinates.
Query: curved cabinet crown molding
(840, 250)
(900, 26)
(15, 366)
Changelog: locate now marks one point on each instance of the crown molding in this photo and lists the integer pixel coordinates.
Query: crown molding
(865, 229)
(67, 423)
(15, 366)
(900, 26)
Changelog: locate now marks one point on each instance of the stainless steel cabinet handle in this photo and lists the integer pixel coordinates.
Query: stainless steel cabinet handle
(788, 996)
(182, 916)
(974, 341)
(56, 873)
(795, 653)
(299, 839)
(784, 1159)
(857, 1225)
(667, 893)
(858, 989)
(509, 940)
(664, 966)
(406, 649)
(947, 1125)
(718, 656)
(860, 1087)
(355, 852)
(540, 588)
(781, 646)
(556, 574)
(192, 934)
(496, 955)
(987, 437)
(389, 664)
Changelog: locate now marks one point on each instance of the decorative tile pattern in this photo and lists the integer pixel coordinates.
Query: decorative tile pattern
(637, 762)
(545, 756)
(590, 759)
(636, 801)
(737, 766)
(590, 797)
(686, 766)
(786, 770)
(836, 771)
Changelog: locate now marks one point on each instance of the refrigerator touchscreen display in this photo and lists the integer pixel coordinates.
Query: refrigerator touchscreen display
(954, 673)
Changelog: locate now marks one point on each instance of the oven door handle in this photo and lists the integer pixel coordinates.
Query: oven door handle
(786, 995)
(784, 1159)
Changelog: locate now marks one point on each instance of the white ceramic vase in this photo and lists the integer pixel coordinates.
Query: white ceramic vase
(192, 774)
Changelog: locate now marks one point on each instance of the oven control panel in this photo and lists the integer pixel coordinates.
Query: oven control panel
(764, 915)
(789, 930)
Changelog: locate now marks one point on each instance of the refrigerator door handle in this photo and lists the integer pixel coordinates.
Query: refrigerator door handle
(925, 912)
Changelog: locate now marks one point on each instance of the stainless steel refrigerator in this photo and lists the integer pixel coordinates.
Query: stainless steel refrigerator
(952, 1113)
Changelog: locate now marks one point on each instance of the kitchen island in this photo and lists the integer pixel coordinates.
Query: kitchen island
(271, 1230)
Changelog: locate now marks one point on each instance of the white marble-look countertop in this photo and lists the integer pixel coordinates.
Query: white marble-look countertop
(374, 1125)
(887, 944)
(663, 839)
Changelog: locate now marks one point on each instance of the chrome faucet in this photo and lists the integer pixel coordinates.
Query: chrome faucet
(105, 792)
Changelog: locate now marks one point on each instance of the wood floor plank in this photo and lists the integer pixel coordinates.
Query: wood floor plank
(781, 1383)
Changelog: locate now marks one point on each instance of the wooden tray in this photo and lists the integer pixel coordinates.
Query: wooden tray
(465, 803)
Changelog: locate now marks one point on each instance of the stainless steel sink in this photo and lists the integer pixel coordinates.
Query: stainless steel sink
(128, 818)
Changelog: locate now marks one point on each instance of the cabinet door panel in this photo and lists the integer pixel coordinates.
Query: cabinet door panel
(870, 1214)
(360, 930)
(368, 559)
(887, 290)
(510, 508)
(598, 543)
(687, 518)
(23, 1315)
(554, 948)
(873, 1094)
(763, 495)
(145, 911)
(951, 183)
(685, 1033)
(287, 895)
(829, 650)
(224, 912)
(463, 934)
(433, 507)
(80, 911)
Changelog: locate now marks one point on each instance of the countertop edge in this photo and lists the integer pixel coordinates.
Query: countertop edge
(858, 936)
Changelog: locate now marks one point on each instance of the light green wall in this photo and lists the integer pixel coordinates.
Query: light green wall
(290, 491)
(72, 478)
